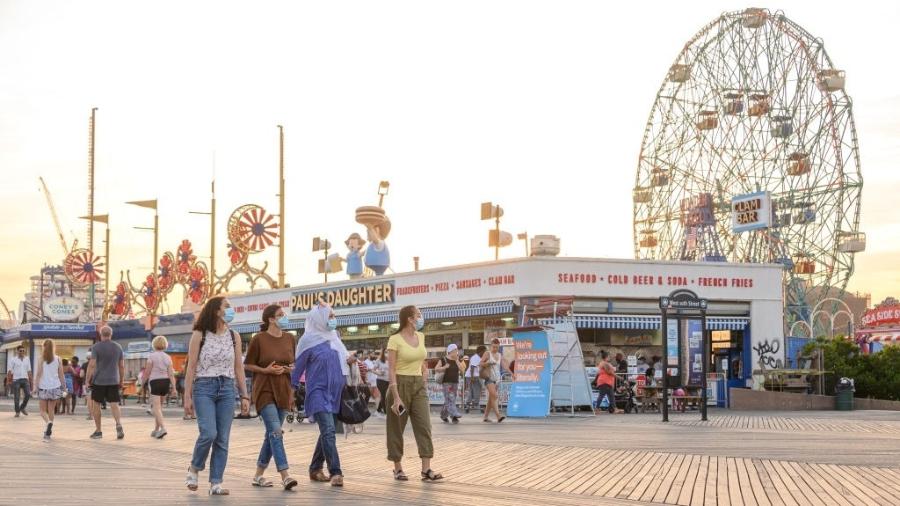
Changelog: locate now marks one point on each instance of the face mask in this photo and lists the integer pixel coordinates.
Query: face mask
(332, 323)
(420, 323)
(283, 321)
(229, 315)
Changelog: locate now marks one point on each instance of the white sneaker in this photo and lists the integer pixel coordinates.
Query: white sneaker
(154, 434)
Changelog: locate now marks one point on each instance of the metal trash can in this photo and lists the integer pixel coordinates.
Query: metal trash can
(843, 395)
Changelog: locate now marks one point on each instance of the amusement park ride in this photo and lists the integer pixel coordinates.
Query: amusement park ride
(753, 105)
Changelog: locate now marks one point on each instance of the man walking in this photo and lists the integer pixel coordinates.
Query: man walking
(105, 377)
(475, 382)
(19, 378)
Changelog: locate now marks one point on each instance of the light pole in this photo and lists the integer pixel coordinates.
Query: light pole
(101, 218)
(212, 234)
(383, 187)
(320, 244)
(524, 237)
(489, 211)
(151, 204)
(281, 206)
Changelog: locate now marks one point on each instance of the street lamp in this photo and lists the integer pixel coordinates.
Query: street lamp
(151, 204)
(524, 237)
(496, 238)
(383, 187)
(101, 218)
(212, 235)
(320, 244)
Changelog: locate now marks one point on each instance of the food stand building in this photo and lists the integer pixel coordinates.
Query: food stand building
(615, 305)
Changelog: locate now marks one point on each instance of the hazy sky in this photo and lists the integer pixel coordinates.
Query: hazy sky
(539, 106)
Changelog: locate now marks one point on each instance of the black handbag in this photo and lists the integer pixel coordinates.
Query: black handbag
(354, 406)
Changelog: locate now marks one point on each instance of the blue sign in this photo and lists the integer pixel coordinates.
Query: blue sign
(75, 328)
(529, 394)
(695, 352)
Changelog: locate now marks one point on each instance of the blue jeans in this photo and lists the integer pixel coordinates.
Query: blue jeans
(273, 444)
(326, 446)
(20, 384)
(214, 405)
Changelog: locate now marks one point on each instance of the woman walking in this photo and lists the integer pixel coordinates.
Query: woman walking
(69, 375)
(214, 355)
(381, 379)
(492, 360)
(322, 357)
(270, 357)
(449, 367)
(76, 382)
(407, 395)
(49, 382)
(159, 379)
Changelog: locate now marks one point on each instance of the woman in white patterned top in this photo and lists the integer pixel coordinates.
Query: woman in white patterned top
(214, 363)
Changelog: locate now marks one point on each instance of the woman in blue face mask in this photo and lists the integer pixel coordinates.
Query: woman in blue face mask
(407, 395)
(270, 357)
(323, 357)
(214, 366)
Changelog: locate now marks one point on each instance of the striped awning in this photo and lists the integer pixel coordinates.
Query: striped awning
(429, 313)
(729, 323)
(644, 322)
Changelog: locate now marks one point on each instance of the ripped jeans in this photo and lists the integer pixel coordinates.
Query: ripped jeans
(273, 444)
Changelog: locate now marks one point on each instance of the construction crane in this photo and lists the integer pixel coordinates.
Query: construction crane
(62, 240)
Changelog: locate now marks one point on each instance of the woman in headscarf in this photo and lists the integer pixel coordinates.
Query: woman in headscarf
(324, 359)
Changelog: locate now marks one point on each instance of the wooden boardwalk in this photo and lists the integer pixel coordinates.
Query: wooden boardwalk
(540, 467)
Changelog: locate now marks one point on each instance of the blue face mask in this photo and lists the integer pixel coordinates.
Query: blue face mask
(420, 323)
(332, 323)
(283, 321)
(229, 315)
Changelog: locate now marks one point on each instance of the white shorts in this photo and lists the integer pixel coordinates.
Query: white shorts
(372, 380)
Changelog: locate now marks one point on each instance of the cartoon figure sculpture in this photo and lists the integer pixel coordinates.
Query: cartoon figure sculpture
(354, 259)
(378, 226)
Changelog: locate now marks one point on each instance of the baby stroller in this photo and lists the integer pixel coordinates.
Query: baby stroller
(298, 414)
(625, 397)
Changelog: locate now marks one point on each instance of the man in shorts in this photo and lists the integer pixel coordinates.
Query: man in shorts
(105, 377)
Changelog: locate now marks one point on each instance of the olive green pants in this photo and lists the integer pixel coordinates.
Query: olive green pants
(414, 398)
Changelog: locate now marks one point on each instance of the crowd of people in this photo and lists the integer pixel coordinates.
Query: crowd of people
(317, 364)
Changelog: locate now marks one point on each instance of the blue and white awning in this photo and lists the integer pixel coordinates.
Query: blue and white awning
(644, 322)
(429, 313)
(727, 323)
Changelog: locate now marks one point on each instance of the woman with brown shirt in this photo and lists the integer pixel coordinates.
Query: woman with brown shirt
(270, 357)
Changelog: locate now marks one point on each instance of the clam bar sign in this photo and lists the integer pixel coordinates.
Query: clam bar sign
(63, 309)
(751, 211)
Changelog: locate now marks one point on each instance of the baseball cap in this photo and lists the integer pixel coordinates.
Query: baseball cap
(451, 348)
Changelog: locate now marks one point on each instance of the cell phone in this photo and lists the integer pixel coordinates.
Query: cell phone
(402, 409)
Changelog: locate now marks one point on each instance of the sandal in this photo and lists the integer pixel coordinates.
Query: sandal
(318, 476)
(430, 475)
(191, 481)
(399, 475)
(261, 481)
(288, 483)
(501, 419)
(216, 489)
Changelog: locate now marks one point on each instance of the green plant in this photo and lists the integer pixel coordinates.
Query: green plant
(876, 375)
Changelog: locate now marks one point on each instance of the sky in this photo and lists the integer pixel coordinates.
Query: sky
(537, 106)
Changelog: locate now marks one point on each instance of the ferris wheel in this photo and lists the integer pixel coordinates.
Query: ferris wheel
(753, 105)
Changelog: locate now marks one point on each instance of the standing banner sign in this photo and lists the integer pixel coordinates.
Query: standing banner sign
(529, 394)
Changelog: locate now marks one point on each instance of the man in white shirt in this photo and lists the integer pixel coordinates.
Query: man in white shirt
(19, 377)
(474, 380)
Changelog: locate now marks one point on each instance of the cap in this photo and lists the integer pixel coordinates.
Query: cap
(451, 348)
